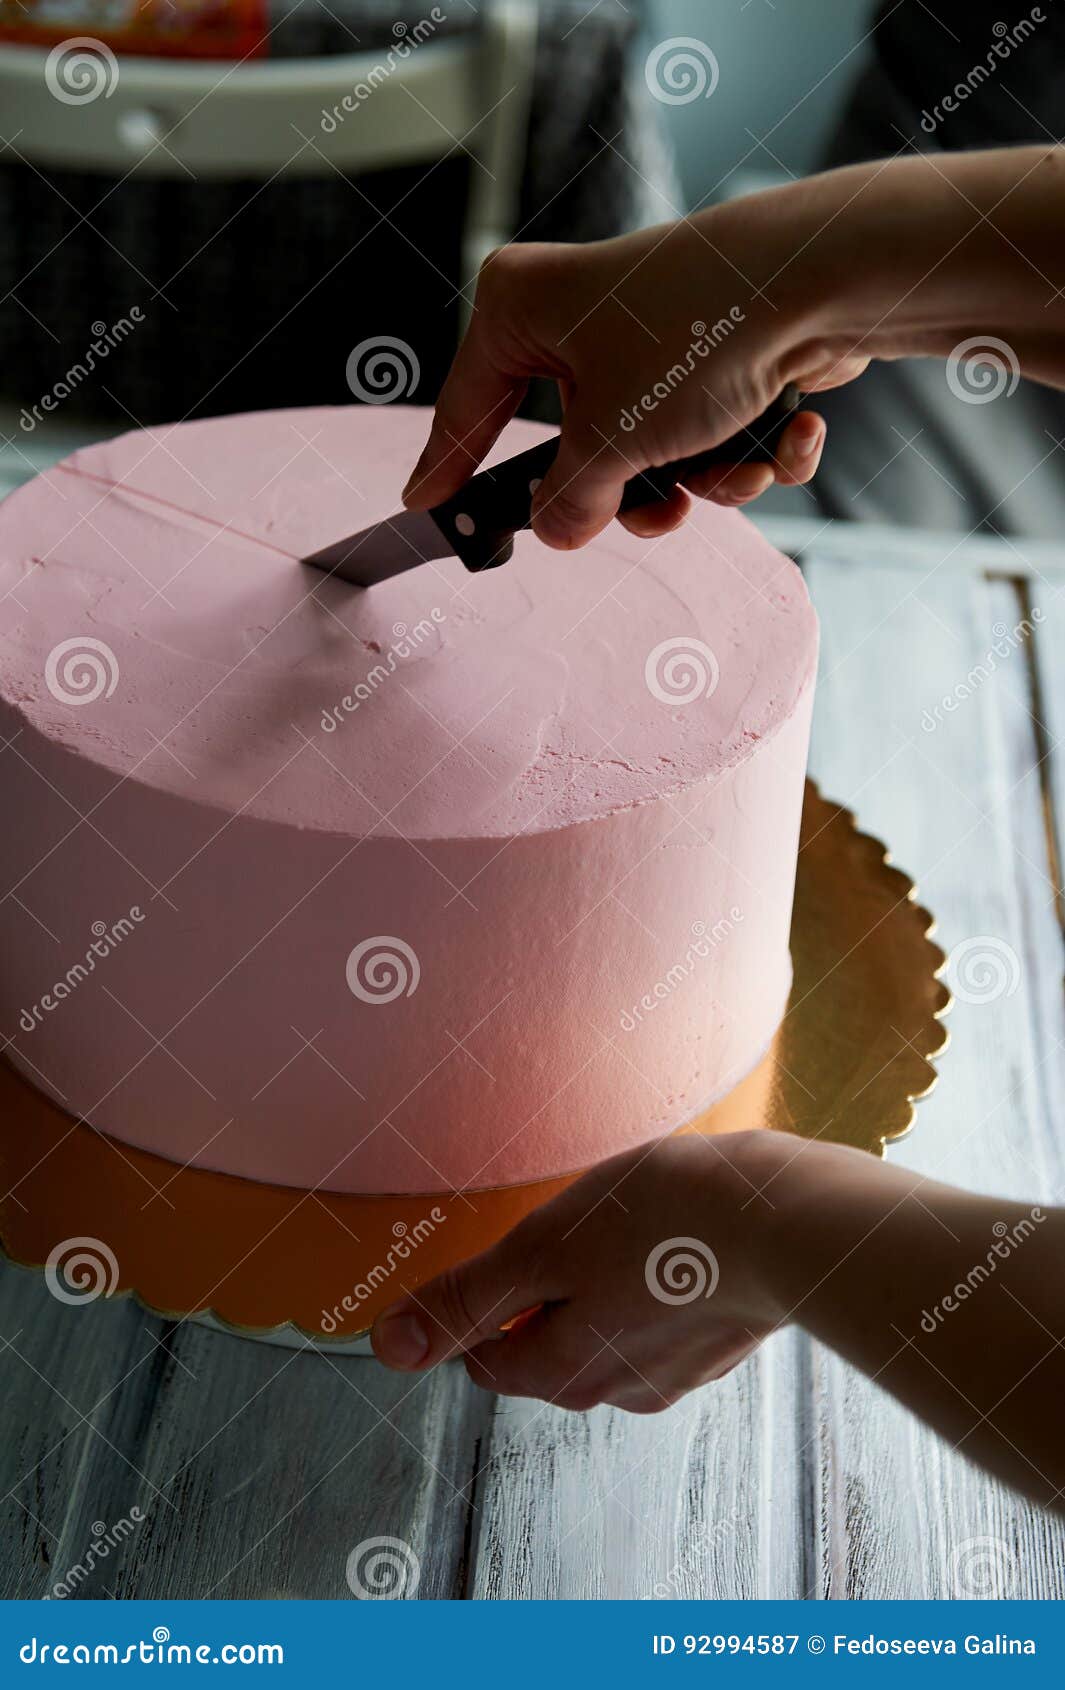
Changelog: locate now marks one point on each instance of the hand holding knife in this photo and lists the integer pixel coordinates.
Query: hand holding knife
(478, 524)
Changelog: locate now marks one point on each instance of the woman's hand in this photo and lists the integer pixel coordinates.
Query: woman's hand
(663, 343)
(663, 1268)
(646, 1278)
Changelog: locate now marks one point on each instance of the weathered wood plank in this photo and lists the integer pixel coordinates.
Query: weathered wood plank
(61, 1466)
(957, 793)
(143, 1458)
(896, 644)
(1046, 921)
(280, 1463)
(700, 1501)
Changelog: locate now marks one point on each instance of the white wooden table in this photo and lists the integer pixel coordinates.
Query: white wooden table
(257, 1470)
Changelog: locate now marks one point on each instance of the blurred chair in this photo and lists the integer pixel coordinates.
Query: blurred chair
(265, 216)
(173, 118)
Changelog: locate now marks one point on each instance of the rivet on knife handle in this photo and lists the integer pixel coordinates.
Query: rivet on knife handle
(482, 519)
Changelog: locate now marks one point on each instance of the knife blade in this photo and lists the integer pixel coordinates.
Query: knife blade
(479, 523)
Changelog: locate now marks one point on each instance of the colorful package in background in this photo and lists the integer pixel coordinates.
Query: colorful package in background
(183, 29)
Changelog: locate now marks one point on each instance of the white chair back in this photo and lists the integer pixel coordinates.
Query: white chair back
(416, 101)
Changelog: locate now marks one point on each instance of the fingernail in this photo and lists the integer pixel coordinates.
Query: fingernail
(807, 444)
(401, 1340)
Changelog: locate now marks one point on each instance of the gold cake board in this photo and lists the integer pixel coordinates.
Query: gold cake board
(852, 1055)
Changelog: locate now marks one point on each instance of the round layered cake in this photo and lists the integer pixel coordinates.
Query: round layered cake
(456, 882)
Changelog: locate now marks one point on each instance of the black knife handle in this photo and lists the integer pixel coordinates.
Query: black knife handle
(481, 520)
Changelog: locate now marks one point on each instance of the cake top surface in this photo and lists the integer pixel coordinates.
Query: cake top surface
(158, 620)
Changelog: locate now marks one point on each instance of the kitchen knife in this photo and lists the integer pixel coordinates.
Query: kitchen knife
(478, 524)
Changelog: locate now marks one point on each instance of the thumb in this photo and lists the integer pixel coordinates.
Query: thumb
(582, 490)
(460, 1308)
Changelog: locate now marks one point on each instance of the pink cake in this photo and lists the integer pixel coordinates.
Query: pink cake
(461, 881)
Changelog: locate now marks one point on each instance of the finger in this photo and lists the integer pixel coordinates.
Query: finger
(582, 490)
(667, 1373)
(797, 458)
(732, 484)
(832, 372)
(551, 1357)
(476, 402)
(643, 1399)
(649, 521)
(799, 449)
(574, 1400)
(460, 1308)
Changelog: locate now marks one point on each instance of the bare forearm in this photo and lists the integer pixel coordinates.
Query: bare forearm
(804, 284)
(952, 1302)
(910, 256)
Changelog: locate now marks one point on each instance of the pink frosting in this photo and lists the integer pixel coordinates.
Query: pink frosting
(554, 793)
